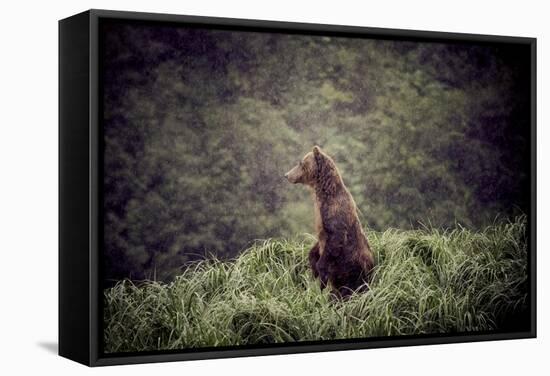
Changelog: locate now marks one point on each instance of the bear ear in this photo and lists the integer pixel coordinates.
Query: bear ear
(316, 150)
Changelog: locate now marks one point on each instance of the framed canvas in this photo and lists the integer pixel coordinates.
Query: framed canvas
(239, 187)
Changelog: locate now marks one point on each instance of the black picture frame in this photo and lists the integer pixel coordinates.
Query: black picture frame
(80, 169)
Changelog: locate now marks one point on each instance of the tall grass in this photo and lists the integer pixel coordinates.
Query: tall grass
(425, 281)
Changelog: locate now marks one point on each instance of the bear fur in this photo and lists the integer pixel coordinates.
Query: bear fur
(342, 257)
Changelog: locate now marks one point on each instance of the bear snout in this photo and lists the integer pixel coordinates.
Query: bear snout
(288, 177)
(293, 175)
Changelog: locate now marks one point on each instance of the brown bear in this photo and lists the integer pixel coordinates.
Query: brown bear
(342, 256)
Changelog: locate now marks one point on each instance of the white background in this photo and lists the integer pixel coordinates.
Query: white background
(28, 186)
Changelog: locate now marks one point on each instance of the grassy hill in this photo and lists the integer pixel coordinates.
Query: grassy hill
(426, 281)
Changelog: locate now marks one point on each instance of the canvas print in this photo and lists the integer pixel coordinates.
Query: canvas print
(264, 187)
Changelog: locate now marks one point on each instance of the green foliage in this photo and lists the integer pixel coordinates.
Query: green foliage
(426, 281)
(200, 127)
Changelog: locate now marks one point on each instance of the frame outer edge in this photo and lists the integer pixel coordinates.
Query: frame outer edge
(307, 28)
(73, 259)
(533, 167)
(94, 191)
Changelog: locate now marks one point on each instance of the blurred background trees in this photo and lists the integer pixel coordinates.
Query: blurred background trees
(201, 125)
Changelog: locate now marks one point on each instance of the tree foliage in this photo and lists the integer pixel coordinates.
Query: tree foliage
(201, 125)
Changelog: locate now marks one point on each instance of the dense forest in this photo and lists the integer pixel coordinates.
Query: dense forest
(199, 127)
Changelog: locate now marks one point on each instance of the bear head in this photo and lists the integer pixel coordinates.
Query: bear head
(305, 171)
(317, 170)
